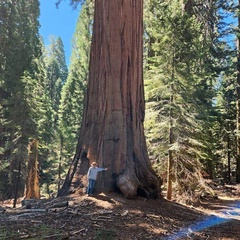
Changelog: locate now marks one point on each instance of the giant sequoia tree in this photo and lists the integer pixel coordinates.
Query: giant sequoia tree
(112, 128)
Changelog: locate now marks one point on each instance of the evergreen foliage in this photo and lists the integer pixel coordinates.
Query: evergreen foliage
(72, 100)
(54, 76)
(182, 65)
(20, 46)
(190, 70)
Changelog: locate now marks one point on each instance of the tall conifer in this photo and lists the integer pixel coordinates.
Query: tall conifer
(72, 99)
(179, 89)
(19, 35)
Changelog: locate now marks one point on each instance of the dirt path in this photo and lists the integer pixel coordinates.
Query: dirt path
(111, 217)
(223, 219)
(220, 221)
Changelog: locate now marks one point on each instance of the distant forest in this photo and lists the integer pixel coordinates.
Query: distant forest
(191, 74)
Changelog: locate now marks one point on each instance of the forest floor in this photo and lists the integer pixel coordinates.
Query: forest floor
(112, 217)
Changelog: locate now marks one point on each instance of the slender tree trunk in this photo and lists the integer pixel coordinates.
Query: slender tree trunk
(238, 108)
(32, 182)
(170, 152)
(170, 138)
(112, 129)
(187, 7)
(210, 169)
(17, 184)
(60, 163)
(229, 160)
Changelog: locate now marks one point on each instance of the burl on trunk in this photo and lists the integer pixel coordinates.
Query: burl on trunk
(112, 131)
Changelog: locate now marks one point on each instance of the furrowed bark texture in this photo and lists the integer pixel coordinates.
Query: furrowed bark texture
(112, 131)
(32, 182)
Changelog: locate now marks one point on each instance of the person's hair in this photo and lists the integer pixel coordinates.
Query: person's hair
(94, 164)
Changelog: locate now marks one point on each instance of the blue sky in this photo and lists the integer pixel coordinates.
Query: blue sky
(59, 22)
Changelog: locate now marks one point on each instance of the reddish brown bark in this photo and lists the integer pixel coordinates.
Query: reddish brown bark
(32, 182)
(112, 131)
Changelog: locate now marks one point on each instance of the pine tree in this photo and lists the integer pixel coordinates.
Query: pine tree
(72, 98)
(56, 73)
(19, 35)
(179, 89)
(221, 142)
(238, 98)
(52, 77)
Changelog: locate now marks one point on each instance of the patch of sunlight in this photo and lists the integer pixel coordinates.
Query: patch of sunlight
(231, 211)
(227, 198)
(223, 216)
(199, 226)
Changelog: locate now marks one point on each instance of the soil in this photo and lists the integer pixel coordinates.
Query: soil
(112, 217)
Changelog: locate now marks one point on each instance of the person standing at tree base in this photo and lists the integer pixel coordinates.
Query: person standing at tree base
(92, 176)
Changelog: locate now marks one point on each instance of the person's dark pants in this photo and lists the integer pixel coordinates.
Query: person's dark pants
(90, 187)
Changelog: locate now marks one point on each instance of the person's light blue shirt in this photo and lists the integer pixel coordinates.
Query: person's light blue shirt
(93, 171)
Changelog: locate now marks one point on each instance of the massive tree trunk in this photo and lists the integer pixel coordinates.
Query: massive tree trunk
(112, 131)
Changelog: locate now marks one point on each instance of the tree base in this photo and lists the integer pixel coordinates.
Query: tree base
(130, 188)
